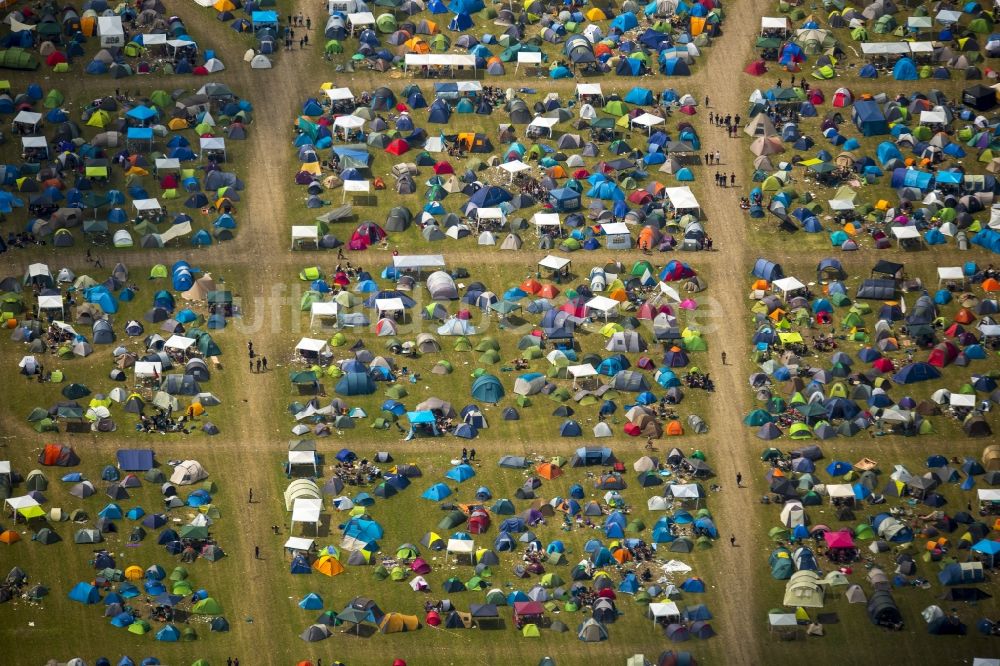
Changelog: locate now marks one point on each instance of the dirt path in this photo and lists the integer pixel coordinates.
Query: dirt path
(732, 449)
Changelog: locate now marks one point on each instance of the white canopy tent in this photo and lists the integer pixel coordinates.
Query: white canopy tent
(214, 143)
(311, 346)
(489, 214)
(543, 124)
(299, 544)
(546, 220)
(604, 305)
(648, 121)
(323, 310)
(439, 60)
(950, 274)
(786, 286)
(356, 187)
(339, 94)
(307, 458)
(147, 369)
(388, 307)
(907, 233)
(179, 343)
(962, 400)
(667, 611)
(418, 261)
(589, 90)
(307, 510)
(683, 199)
(527, 58)
(360, 20)
(50, 302)
(461, 548)
(167, 163)
(302, 234)
(553, 262)
(514, 168)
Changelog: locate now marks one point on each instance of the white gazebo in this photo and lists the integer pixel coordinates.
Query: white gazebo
(307, 510)
(906, 234)
(950, 274)
(554, 263)
(583, 371)
(305, 236)
(306, 458)
(542, 125)
(514, 168)
(311, 348)
(52, 303)
(527, 58)
(787, 286)
(461, 548)
(647, 121)
(604, 305)
(356, 187)
(389, 307)
(322, 310)
(360, 20)
(666, 611)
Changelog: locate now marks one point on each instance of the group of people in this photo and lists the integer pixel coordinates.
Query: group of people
(256, 360)
(161, 422)
(358, 472)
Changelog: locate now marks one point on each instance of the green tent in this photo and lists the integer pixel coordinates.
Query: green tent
(207, 606)
(17, 58)
(54, 99)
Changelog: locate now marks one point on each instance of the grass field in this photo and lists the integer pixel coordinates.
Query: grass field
(259, 597)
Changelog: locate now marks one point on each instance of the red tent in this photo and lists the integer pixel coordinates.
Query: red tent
(397, 147)
(839, 539)
(55, 58)
(443, 167)
(756, 68)
(883, 365)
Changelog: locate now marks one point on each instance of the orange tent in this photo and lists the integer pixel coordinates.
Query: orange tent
(431, 27)
(556, 171)
(761, 285)
(531, 286)
(417, 45)
(548, 291)
(990, 284)
(618, 295)
(646, 238)
(965, 316)
(9, 537)
(622, 555)
(548, 471)
(675, 428)
(328, 565)
(697, 25)
(601, 49)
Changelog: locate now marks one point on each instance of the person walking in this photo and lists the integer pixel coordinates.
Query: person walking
(732, 540)
(706, 101)
(256, 552)
(251, 365)
(732, 179)
(723, 358)
(718, 158)
(739, 480)
(258, 365)
(264, 361)
(250, 499)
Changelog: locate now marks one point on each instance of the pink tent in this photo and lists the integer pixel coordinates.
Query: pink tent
(839, 539)
(689, 304)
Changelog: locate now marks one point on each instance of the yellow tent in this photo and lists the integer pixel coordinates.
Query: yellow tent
(177, 124)
(224, 6)
(594, 14)
(133, 573)
(328, 566)
(100, 118)
(311, 167)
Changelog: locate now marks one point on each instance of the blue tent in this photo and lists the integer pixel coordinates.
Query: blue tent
(355, 383)
(693, 585)
(904, 70)
(868, 72)
(437, 492)
(916, 372)
(640, 96)
(311, 601)
(85, 593)
(570, 428)
(168, 634)
(767, 270)
(460, 472)
(868, 117)
(300, 565)
(624, 22)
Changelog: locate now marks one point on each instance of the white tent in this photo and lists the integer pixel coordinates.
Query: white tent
(147, 369)
(339, 94)
(514, 168)
(604, 305)
(305, 236)
(667, 611)
(323, 310)
(647, 121)
(461, 548)
(683, 199)
(188, 472)
(179, 343)
(311, 347)
(418, 261)
(307, 510)
(543, 124)
(388, 307)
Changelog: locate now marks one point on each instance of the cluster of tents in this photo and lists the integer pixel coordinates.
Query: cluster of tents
(453, 196)
(60, 37)
(175, 362)
(922, 157)
(950, 41)
(568, 376)
(456, 535)
(958, 544)
(854, 388)
(116, 173)
(594, 40)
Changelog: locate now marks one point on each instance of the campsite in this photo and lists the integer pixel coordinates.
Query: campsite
(418, 332)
